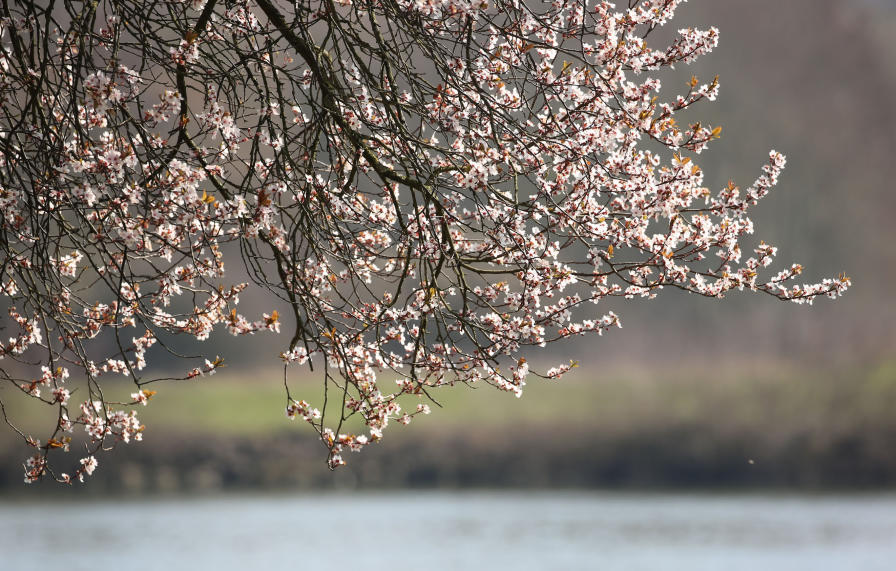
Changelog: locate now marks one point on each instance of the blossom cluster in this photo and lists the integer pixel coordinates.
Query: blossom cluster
(419, 229)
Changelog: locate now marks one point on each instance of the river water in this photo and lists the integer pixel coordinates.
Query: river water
(444, 531)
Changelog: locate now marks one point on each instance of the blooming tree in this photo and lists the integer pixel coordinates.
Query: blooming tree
(433, 188)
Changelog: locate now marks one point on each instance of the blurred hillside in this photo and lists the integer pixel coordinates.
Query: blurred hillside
(691, 390)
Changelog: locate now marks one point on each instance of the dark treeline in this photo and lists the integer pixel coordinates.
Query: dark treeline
(682, 457)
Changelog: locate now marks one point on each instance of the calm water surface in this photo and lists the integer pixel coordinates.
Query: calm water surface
(440, 531)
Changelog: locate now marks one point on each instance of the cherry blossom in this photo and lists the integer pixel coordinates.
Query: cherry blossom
(427, 191)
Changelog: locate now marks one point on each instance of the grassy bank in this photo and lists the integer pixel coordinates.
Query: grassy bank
(778, 397)
(770, 426)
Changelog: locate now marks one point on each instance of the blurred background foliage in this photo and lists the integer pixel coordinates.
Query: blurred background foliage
(746, 392)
